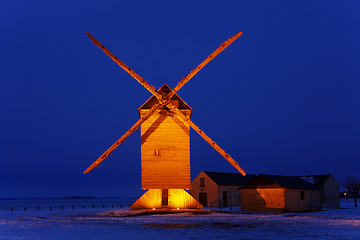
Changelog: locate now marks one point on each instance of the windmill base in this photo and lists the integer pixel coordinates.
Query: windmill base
(166, 199)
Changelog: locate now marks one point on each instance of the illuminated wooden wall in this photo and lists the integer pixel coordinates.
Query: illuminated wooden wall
(165, 148)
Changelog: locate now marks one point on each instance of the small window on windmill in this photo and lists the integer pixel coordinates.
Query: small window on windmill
(157, 153)
(202, 182)
(175, 103)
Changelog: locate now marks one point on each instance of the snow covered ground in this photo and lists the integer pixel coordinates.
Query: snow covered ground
(118, 224)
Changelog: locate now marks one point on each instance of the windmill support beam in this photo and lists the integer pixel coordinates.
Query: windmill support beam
(208, 139)
(125, 67)
(122, 139)
(206, 61)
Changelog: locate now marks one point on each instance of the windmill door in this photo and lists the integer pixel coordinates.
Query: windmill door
(164, 197)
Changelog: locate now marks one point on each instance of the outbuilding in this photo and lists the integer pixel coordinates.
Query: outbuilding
(218, 189)
(277, 193)
(330, 189)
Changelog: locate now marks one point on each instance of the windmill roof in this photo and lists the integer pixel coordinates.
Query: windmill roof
(165, 88)
(270, 181)
(230, 179)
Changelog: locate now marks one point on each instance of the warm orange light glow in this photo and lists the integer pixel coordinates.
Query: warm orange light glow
(180, 199)
(177, 199)
(273, 197)
(149, 200)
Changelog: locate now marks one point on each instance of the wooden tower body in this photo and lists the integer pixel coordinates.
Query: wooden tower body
(165, 146)
(165, 156)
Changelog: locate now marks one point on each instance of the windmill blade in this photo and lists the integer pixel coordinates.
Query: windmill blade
(123, 137)
(125, 67)
(217, 147)
(206, 61)
(207, 139)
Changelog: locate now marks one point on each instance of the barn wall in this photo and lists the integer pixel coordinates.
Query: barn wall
(210, 188)
(266, 199)
(233, 194)
(165, 152)
(331, 191)
(311, 201)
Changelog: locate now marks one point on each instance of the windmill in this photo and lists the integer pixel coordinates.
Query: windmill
(165, 140)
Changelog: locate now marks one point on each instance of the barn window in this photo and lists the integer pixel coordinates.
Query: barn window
(202, 182)
(157, 153)
(302, 195)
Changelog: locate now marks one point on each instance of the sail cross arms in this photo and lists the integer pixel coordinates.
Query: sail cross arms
(164, 101)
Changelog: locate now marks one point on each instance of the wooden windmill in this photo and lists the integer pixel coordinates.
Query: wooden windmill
(165, 141)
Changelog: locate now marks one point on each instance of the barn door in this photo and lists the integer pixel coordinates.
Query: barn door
(225, 199)
(203, 198)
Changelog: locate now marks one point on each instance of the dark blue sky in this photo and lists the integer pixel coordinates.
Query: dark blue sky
(282, 99)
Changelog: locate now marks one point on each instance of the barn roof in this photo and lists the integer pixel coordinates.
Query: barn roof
(318, 180)
(229, 179)
(166, 89)
(276, 181)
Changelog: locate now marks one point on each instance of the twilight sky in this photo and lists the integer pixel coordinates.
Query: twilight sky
(282, 99)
